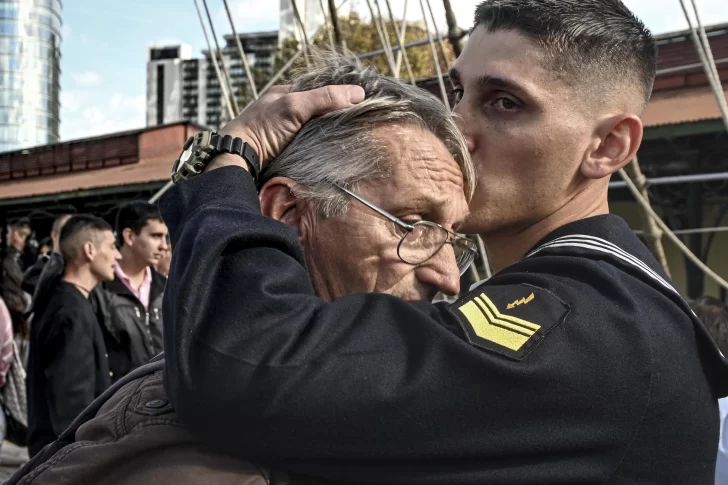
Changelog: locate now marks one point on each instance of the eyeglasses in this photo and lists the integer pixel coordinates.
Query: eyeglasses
(423, 239)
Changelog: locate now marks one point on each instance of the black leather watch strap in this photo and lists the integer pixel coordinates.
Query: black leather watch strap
(228, 144)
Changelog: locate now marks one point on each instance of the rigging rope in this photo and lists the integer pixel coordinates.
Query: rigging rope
(711, 70)
(225, 72)
(302, 28)
(400, 41)
(213, 58)
(385, 32)
(329, 31)
(439, 37)
(241, 51)
(402, 30)
(686, 251)
(387, 52)
(435, 59)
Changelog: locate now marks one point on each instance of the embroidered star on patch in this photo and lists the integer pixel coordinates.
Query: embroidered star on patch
(510, 319)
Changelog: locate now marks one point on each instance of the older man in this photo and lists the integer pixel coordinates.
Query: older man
(578, 362)
(372, 193)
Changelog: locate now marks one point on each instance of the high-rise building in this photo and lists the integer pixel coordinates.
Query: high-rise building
(180, 88)
(30, 55)
(165, 75)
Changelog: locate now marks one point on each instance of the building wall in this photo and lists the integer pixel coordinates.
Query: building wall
(260, 49)
(180, 88)
(717, 257)
(30, 53)
(165, 83)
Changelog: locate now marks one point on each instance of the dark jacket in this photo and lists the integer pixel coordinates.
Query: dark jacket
(32, 274)
(132, 436)
(579, 364)
(133, 334)
(67, 365)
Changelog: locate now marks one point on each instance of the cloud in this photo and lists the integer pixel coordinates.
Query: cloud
(249, 16)
(87, 79)
(82, 117)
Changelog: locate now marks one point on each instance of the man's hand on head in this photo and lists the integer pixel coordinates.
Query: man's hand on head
(270, 123)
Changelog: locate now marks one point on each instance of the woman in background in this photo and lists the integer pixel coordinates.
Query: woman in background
(13, 324)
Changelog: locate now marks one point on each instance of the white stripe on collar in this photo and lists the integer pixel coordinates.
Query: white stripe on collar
(602, 243)
(603, 246)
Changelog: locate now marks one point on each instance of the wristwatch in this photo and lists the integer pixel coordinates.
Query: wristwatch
(200, 149)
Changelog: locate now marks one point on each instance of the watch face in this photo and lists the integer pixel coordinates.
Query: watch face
(186, 155)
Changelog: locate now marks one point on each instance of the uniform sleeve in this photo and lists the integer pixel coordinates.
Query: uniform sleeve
(259, 367)
(70, 375)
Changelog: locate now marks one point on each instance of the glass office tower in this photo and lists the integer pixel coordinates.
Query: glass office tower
(30, 54)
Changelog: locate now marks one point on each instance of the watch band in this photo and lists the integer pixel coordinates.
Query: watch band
(228, 144)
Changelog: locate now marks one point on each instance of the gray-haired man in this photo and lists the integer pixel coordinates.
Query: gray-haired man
(373, 194)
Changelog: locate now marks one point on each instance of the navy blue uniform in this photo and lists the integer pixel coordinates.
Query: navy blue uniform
(579, 364)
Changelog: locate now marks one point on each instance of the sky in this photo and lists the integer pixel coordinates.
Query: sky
(104, 46)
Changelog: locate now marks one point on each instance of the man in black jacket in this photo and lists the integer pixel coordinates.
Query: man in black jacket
(67, 364)
(130, 306)
(578, 362)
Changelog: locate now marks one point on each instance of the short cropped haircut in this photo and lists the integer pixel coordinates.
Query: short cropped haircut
(714, 315)
(584, 40)
(135, 215)
(340, 147)
(79, 230)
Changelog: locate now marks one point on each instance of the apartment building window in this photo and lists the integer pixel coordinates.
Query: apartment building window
(160, 94)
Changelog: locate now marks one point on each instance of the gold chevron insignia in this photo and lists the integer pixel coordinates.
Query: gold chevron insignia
(490, 324)
(522, 301)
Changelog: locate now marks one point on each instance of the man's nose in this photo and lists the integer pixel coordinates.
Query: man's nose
(441, 271)
(165, 245)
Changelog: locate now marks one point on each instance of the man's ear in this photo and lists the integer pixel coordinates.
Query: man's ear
(616, 142)
(127, 236)
(89, 250)
(278, 201)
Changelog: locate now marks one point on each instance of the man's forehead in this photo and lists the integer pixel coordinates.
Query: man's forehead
(503, 54)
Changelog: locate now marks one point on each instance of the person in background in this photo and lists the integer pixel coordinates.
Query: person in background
(31, 275)
(164, 263)
(130, 306)
(67, 365)
(13, 324)
(45, 246)
(18, 232)
(714, 315)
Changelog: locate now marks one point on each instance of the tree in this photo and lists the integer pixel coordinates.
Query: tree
(361, 37)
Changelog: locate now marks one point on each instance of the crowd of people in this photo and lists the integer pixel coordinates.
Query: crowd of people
(81, 316)
(300, 341)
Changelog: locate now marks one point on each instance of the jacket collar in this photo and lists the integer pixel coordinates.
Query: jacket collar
(118, 287)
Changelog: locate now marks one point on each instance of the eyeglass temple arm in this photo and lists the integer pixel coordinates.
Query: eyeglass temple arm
(376, 209)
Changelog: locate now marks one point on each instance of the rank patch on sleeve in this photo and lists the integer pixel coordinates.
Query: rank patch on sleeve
(511, 319)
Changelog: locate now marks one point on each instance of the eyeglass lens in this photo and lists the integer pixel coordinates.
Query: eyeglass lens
(425, 240)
